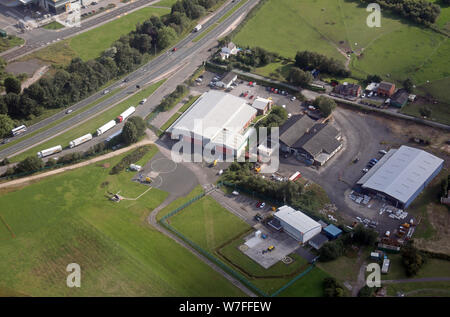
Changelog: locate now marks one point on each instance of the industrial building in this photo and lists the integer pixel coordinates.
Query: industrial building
(332, 232)
(262, 105)
(296, 224)
(400, 98)
(227, 80)
(221, 120)
(401, 175)
(318, 241)
(317, 141)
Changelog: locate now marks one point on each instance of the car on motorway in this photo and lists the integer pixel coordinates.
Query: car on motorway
(174, 49)
(126, 80)
(105, 91)
(69, 111)
(143, 101)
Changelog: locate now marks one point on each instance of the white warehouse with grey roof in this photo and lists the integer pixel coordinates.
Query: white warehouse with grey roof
(217, 118)
(401, 175)
(296, 224)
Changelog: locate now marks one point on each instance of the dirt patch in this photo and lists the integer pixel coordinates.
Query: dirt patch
(28, 67)
(439, 217)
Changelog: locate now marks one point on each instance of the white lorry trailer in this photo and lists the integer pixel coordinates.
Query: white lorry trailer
(106, 127)
(50, 151)
(80, 140)
(198, 28)
(126, 114)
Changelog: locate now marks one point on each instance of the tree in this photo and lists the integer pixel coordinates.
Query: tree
(6, 125)
(166, 36)
(372, 79)
(30, 164)
(412, 259)
(299, 77)
(408, 85)
(364, 236)
(13, 85)
(366, 291)
(325, 105)
(139, 123)
(129, 133)
(331, 250)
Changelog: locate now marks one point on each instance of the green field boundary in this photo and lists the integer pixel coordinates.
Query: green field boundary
(54, 123)
(7, 226)
(166, 223)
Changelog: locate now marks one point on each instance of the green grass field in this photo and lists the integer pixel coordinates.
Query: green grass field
(91, 125)
(208, 224)
(90, 44)
(396, 50)
(217, 230)
(179, 202)
(165, 3)
(68, 218)
(10, 42)
(310, 285)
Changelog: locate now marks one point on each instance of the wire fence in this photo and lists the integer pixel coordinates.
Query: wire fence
(217, 261)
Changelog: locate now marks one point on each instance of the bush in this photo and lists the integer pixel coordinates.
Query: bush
(325, 105)
(331, 250)
(331, 288)
(131, 158)
(412, 259)
(29, 165)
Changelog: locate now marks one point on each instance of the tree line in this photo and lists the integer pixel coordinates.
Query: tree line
(307, 60)
(419, 11)
(80, 79)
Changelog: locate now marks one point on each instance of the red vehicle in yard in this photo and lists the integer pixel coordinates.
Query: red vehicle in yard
(245, 94)
(258, 204)
(251, 97)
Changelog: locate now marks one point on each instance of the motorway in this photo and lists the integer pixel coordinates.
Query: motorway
(47, 37)
(146, 74)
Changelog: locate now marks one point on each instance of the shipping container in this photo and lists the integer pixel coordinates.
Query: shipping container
(50, 151)
(80, 140)
(106, 127)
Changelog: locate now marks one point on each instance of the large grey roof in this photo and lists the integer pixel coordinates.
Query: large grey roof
(296, 219)
(400, 173)
(215, 111)
(323, 141)
(295, 131)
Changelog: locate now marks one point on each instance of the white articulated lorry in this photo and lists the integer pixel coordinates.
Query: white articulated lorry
(50, 151)
(106, 127)
(80, 140)
(126, 114)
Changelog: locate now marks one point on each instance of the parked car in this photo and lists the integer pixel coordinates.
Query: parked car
(382, 152)
(263, 204)
(365, 170)
(293, 98)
